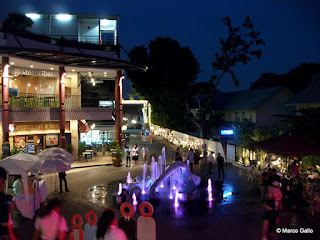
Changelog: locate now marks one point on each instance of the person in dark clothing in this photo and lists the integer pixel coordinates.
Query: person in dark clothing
(220, 161)
(4, 208)
(274, 177)
(196, 159)
(177, 155)
(62, 176)
(271, 220)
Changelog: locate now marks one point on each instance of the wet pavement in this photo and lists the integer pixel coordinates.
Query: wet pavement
(235, 212)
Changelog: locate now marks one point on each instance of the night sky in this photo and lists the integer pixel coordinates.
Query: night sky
(290, 28)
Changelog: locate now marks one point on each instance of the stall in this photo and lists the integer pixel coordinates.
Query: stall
(289, 146)
(23, 164)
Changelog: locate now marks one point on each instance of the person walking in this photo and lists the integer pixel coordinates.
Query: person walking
(196, 159)
(210, 162)
(271, 220)
(144, 153)
(107, 227)
(177, 155)
(135, 154)
(4, 209)
(62, 176)
(51, 225)
(128, 158)
(190, 157)
(220, 161)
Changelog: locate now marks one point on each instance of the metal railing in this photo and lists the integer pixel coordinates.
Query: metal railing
(52, 100)
(73, 41)
(87, 39)
(42, 100)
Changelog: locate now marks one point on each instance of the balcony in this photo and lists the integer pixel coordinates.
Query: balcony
(42, 100)
(45, 107)
(73, 41)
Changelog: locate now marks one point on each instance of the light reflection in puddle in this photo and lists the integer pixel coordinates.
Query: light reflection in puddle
(98, 194)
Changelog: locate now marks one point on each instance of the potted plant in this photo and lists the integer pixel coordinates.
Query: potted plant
(117, 154)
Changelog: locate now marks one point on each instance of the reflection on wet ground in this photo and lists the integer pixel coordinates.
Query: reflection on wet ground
(222, 193)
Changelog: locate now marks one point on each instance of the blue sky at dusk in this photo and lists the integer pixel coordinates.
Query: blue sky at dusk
(290, 28)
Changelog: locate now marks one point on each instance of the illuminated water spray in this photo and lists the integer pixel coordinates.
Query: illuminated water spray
(134, 198)
(120, 189)
(176, 200)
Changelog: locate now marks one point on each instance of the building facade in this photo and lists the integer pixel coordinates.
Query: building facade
(51, 90)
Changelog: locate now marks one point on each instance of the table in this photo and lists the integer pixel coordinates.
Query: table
(87, 154)
(38, 197)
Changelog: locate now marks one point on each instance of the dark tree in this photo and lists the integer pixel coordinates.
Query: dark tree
(306, 124)
(172, 69)
(242, 43)
(296, 79)
(17, 22)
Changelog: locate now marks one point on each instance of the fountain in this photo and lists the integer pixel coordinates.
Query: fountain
(176, 199)
(120, 189)
(134, 199)
(209, 185)
(129, 179)
(144, 178)
(174, 181)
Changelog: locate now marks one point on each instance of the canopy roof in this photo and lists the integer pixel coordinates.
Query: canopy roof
(288, 145)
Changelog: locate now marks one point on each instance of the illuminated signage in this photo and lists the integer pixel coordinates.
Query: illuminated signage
(16, 71)
(227, 132)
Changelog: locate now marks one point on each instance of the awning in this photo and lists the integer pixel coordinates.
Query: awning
(287, 145)
(72, 59)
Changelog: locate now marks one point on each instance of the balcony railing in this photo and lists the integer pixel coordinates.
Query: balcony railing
(109, 41)
(42, 100)
(110, 45)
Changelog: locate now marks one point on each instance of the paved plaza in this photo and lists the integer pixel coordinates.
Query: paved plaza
(236, 212)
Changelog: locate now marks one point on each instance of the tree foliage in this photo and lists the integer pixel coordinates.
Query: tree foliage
(296, 79)
(17, 22)
(172, 69)
(306, 124)
(241, 45)
(245, 138)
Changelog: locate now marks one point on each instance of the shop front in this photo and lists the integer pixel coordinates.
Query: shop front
(34, 137)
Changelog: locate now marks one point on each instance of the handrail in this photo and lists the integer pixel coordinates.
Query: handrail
(52, 100)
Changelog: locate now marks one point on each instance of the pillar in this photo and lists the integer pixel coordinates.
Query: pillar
(75, 90)
(62, 108)
(74, 138)
(5, 100)
(118, 106)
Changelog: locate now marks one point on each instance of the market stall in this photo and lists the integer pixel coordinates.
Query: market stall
(285, 147)
(22, 164)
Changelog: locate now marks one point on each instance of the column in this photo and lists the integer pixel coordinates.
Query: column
(118, 106)
(62, 108)
(74, 138)
(5, 100)
(75, 90)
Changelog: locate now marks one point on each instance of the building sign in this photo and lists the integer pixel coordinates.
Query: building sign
(39, 126)
(16, 71)
(227, 132)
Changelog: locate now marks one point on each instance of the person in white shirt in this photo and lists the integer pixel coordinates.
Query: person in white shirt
(17, 186)
(210, 162)
(107, 227)
(51, 226)
(190, 157)
(135, 154)
(144, 153)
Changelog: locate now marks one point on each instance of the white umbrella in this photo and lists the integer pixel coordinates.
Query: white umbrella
(53, 166)
(20, 163)
(67, 160)
(56, 150)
